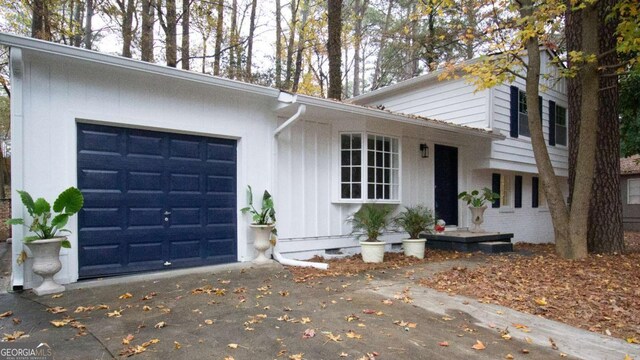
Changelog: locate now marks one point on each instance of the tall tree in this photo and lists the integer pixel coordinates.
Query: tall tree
(375, 83)
(301, 45)
(146, 36)
(219, 35)
(169, 22)
(88, 30)
(233, 41)
(603, 236)
(184, 49)
(294, 4)
(334, 48)
(360, 7)
(278, 45)
(40, 17)
(126, 9)
(252, 30)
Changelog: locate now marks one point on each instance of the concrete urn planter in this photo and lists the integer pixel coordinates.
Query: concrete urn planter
(477, 217)
(261, 242)
(372, 251)
(414, 247)
(46, 263)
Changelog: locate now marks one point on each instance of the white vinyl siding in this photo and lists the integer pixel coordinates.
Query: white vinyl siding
(633, 191)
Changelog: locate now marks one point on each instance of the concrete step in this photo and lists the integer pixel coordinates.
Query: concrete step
(494, 247)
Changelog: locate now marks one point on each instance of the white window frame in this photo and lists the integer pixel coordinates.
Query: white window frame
(364, 163)
(630, 183)
(566, 126)
(522, 96)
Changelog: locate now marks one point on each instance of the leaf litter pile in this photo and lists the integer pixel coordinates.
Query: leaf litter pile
(353, 265)
(600, 293)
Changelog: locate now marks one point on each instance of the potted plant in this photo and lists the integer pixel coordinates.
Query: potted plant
(414, 220)
(476, 200)
(370, 221)
(264, 224)
(46, 227)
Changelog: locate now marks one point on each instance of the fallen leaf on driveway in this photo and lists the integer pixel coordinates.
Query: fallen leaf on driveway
(160, 325)
(387, 302)
(16, 320)
(176, 345)
(443, 343)
(150, 342)
(524, 351)
(15, 336)
(115, 313)
(479, 345)
(232, 346)
(524, 328)
(332, 337)
(61, 323)
(130, 351)
(6, 314)
(343, 354)
(553, 344)
(509, 357)
(125, 296)
(632, 340)
(80, 309)
(56, 310)
(146, 308)
(368, 311)
(296, 356)
(149, 296)
(353, 335)
(208, 322)
(55, 296)
(541, 301)
(127, 340)
(305, 320)
(309, 333)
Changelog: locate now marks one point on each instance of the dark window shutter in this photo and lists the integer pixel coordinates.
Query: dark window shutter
(552, 123)
(534, 192)
(514, 112)
(495, 187)
(540, 107)
(518, 188)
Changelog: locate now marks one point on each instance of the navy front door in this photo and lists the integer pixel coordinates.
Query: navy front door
(154, 200)
(446, 183)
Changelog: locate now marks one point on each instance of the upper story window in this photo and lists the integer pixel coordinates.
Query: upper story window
(561, 125)
(523, 118)
(381, 167)
(633, 191)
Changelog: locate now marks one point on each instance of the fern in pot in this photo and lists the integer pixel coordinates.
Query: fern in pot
(47, 226)
(415, 220)
(263, 223)
(370, 221)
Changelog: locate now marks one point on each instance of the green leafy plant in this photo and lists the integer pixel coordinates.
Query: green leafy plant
(476, 198)
(68, 203)
(414, 220)
(370, 221)
(267, 213)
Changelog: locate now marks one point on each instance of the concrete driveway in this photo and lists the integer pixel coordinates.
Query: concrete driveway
(261, 313)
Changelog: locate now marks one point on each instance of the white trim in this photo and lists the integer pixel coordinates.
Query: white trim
(17, 157)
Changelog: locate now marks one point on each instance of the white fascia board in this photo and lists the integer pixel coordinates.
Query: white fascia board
(126, 63)
(386, 115)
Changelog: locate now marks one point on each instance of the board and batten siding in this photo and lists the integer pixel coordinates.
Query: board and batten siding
(60, 92)
(452, 100)
(311, 218)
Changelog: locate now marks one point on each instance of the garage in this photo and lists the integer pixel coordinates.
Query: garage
(154, 200)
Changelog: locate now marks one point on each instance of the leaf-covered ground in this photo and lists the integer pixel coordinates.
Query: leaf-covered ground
(600, 293)
(353, 265)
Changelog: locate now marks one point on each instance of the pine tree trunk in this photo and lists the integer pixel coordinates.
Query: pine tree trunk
(278, 45)
(301, 41)
(605, 234)
(40, 27)
(184, 49)
(127, 10)
(292, 36)
(77, 24)
(169, 25)
(334, 48)
(383, 39)
(219, 22)
(360, 7)
(252, 29)
(88, 31)
(146, 36)
(234, 39)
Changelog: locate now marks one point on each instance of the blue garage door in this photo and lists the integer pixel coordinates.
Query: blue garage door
(154, 200)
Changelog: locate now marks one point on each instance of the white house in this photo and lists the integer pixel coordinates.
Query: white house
(163, 157)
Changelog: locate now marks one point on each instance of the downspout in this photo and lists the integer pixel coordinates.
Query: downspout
(276, 254)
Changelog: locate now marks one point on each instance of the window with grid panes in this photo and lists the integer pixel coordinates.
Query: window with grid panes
(383, 168)
(351, 166)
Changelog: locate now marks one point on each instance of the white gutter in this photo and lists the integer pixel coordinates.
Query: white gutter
(301, 110)
(290, 99)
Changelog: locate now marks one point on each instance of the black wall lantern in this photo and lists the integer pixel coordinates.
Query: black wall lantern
(424, 151)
